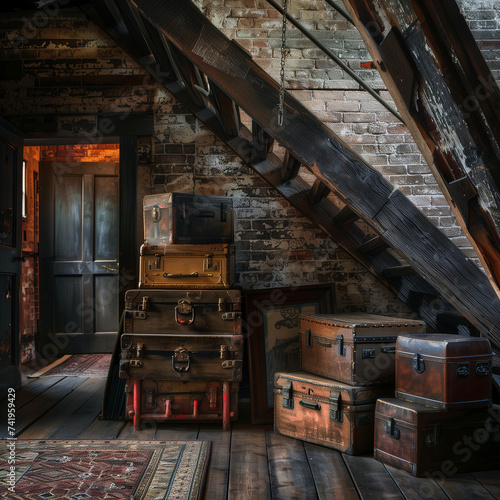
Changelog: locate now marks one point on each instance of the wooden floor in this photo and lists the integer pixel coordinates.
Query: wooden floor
(248, 462)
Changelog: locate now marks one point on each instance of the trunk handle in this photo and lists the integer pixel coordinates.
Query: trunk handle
(310, 404)
(324, 344)
(181, 275)
(181, 354)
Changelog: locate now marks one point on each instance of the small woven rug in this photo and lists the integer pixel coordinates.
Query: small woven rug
(77, 365)
(132, 470)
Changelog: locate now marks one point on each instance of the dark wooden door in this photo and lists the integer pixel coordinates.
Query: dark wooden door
(11, 150)
(79, 252)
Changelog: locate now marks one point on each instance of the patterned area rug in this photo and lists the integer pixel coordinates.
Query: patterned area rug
(88, 365)
(76, 470)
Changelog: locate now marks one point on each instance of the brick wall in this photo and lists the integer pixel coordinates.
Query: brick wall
(67, 71)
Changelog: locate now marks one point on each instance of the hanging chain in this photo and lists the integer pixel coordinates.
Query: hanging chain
(282, 69)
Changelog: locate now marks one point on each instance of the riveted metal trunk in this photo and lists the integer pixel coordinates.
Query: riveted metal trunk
(444, 371)
(353, 348)
(427, 441)
(187, 219)
(326, 412)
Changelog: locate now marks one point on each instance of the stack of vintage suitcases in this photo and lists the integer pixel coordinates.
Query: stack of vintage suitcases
(181, 346)
(354, 365)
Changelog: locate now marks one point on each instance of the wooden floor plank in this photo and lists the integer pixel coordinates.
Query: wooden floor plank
(289, 471)
(248, 473)
(65, 410)
(146, 433)
(489, 479)
(176, 432)
(30, 392)
(371, 478)
(216, 484)
(465, 487)
(330, 474)
(416, 488)
(103, 429)
(80, 420)
(43, 403)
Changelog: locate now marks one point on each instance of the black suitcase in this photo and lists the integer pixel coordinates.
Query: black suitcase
(182, 311)
(188, 219)
(213, 356)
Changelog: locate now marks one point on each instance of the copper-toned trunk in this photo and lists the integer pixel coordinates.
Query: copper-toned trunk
(186, 266)
(326, 412)
(444, 371)
(353, 348)
(435, 443)
(173, 401)
(187, 218)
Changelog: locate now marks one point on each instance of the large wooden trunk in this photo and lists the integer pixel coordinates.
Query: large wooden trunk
(182, 311)
(212, 356)
(187, 219)
(444, 371)
(186, 266)
(353, 348)
(174, 401)
(326, 412)
(423, 440)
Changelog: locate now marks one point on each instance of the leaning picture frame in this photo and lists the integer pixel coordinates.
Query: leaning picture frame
(271, 327)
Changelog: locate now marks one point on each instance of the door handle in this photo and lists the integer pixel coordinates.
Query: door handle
(115, 270)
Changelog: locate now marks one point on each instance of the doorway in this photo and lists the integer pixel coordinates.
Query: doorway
(81, 246)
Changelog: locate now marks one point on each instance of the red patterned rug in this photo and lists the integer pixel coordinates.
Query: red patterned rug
(76, 365)
(75, 470)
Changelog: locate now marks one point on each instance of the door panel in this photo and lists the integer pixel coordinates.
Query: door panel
(79, 251)
(11, 147)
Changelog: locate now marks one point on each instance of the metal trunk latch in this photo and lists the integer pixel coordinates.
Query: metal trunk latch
(418, 363)
(156, 213)
(186, 309)
(482, 369)
(462, 370)
(287, 392)
(309, 342)
(334, 401)
(181, 355)
(391, 429)
(435, 438)
(340, 345)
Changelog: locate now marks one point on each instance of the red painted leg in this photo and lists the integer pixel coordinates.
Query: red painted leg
(226, 400)
(137, 405)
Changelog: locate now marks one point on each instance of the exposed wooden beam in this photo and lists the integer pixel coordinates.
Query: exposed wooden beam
(318, 191)
(290, 167)
(262, 142)
(450, 101)
(343, 172)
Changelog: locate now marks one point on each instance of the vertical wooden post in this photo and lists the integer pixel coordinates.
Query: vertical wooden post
(137, 404)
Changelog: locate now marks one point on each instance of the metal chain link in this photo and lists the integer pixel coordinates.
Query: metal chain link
(282, 69)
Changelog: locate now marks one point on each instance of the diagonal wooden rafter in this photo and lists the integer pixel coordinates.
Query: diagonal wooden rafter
(442, 86)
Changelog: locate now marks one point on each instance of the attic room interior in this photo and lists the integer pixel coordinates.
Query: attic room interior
(250, 249)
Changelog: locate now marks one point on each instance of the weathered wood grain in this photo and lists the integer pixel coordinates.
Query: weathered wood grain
(56, 419)
(216, 484)
(331, 477)
(248, 475)
(289, 470)
(465, 487)
(43, 403)
(371, 478)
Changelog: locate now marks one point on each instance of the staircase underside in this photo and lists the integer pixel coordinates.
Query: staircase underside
(213, 77)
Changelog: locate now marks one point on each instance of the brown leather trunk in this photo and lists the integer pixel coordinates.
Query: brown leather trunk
(216, 357)
(186, 266)
(174, 401)
(187, 219)
(353, 348)
(429, 442)
(444, 371)
(326, 412)
(182, 311)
